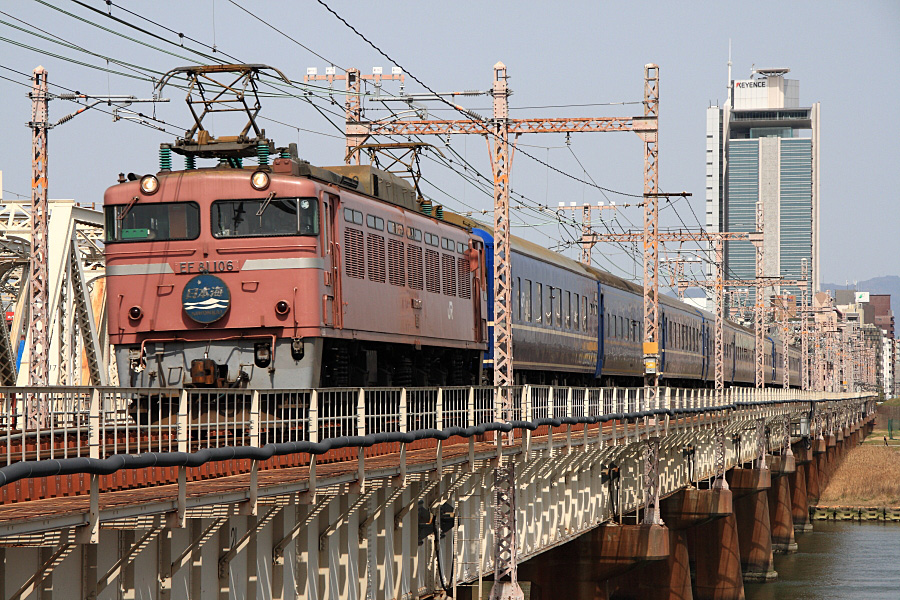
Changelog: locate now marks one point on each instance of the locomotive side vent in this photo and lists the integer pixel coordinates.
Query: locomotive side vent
(396, 263)
(449, 274)
(465, 278)
(375, 257)
(354, 254)
(432, 271)
(414, 260)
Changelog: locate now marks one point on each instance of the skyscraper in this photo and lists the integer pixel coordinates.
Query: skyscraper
(763, 146)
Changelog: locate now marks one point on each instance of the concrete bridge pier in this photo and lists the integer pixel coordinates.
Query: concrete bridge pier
(670, 579)
(812, 480)
(831, 456)
(819, 450)
(716, 555)
(799, 496)
(751, 509)
(779, 497)
(586, 568)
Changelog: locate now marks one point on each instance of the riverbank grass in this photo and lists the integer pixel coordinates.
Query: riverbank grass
(869, 476)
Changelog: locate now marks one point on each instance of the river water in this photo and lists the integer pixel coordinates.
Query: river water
(838, 561)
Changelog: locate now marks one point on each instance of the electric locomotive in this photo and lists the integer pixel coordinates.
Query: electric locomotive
(291, 276)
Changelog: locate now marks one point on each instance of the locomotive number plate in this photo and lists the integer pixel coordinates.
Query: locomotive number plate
(193, 267)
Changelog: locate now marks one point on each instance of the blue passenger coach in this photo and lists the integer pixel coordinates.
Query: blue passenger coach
(578, 325)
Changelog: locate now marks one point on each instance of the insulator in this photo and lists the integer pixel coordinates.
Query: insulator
(165, 158)
(262, 153)
(439, 211)
(426, 207)
(285, 153)
(190, 163)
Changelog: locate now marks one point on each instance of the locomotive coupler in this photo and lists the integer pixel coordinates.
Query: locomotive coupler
(204, 372)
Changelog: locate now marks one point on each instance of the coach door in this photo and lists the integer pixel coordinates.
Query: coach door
(601, 332)
(332, 312)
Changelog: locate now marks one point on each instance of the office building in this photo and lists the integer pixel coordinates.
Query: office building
(763, 146)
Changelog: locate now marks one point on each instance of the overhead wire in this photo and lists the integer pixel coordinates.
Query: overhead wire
(144, 120)
(459, 109)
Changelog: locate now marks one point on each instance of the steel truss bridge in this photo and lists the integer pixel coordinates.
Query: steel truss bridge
(352, 493)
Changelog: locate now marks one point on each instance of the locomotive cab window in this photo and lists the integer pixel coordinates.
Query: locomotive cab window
(265, 217)
(153, 222)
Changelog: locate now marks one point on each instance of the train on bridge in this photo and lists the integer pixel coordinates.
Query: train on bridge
(288, 275)
(295, 276)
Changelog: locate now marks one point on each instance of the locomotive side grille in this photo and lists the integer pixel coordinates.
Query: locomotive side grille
(432, 271)
(449, 273)
(396, 263)
(465, 279)
(414, 261)
(375, 257)
(354, 256)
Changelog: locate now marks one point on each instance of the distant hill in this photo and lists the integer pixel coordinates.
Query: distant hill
(877, 285)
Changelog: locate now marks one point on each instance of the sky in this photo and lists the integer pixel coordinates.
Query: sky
(587, 54)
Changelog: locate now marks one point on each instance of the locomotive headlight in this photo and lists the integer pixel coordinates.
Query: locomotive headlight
(135, 313)
(149, 185)
(262, 354)
(259, 180)
(282, 307)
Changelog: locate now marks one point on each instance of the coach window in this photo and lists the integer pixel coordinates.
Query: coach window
(153, 222)
(548, 306)
(539, 303)
(461, 248)
(517, 298)
(431, 239)
(526, 294)
(265, 217)
(557, 306)
(414, 234)
(576, 314)
(584, 313)
(566, 309)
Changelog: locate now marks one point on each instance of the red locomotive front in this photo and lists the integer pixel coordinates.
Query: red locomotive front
(286, 277)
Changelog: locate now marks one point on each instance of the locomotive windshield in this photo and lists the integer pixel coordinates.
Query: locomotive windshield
(157, 222)
(261, 217)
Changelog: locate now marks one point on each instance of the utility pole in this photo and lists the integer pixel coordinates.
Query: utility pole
(651, 239)
(804, 326)
(759, 334)
(39, 294)
(39, 275)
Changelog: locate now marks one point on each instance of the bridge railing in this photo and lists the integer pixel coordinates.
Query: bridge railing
(98, 422)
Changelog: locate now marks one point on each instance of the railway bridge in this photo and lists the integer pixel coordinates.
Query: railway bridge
(388, 493)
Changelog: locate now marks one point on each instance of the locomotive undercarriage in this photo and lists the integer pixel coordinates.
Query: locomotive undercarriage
(240, 363)
(350, 363)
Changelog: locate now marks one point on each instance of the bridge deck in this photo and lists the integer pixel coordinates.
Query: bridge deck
(272, 482)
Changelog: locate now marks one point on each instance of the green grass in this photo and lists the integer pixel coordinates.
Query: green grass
(891, 402)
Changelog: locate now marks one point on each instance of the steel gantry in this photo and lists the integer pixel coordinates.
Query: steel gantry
(357, 131)
(497, 132)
